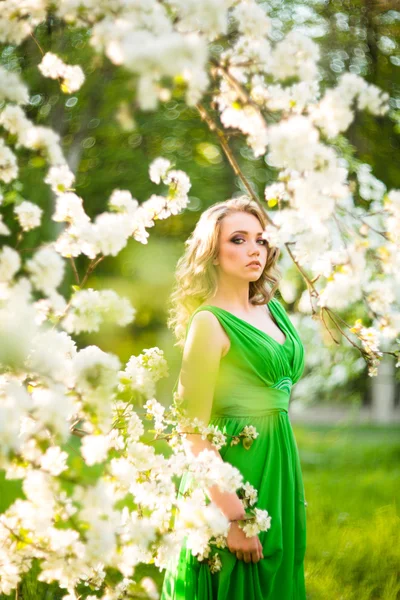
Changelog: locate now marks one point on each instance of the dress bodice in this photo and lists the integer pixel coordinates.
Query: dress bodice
(257, 373)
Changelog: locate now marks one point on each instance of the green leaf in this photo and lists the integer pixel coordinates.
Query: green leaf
(247, 443)
(37, 162)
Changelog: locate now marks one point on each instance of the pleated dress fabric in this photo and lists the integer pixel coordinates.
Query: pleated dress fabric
(253, 388)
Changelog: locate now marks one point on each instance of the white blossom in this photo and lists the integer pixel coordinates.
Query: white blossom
(250, 122)
(158, 169)
(14, 120)
(46, 270)
(295, 56)
(250, 493)
(209, 16)
(262, 522)
(10, 263)
(4, 230)
(343, 289)
(11, 87)
(60, 180)
(45, 140)
(293, 143)
(142, 372)
(28, 214)
(54, 407)
(252, 19)
(94, 448)
(69, 208)
(332, 114)
(122, 201)
(111, 232)
(51, 355)
(90, 308)
(54, 460)
(371, 188)
(95, 370)
(8, 163)
(14, 400)
(18, 19)
(52, 66)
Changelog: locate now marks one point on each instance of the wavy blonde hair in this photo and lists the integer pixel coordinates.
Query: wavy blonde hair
(196, 276)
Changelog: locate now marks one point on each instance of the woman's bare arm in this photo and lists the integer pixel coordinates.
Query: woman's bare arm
(198, 376)
(197, 380)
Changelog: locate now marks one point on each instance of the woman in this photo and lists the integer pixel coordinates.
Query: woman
(241, 357)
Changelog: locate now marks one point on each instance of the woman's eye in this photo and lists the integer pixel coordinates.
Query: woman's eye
(264, 241)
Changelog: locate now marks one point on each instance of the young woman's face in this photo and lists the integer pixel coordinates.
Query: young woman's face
(240, 243)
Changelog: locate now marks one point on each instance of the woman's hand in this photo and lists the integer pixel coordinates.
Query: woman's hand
(245, 548)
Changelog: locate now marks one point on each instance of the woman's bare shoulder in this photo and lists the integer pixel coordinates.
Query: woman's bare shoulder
(206, 329)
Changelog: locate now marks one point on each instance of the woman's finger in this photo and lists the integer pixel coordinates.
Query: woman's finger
(239, 555)
(247, 557)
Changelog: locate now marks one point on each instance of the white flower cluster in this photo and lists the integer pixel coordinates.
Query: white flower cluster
(214, 435)
(295, 56)
(18, 19)
(13, 119)
(333, 114)
(142, 373)
(143, 38)
(155, 411)
(293, 98)
(252, 20)
(392, 206)
(110, 231)
(261, 522)
(209, 16)
(72, 76)
(28, 214)
(8, 163)
(370, 188)
(90, 308)
(60, 179)
(246, 118)
(370, 343)
(12, 88)
(10, 263)
(250, 495)
(204, 520)
(205, 467)
(46, 270)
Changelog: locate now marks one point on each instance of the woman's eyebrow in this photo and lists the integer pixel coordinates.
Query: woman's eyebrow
(242, 231)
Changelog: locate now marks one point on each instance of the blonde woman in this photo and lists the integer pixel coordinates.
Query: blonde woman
(241, 357)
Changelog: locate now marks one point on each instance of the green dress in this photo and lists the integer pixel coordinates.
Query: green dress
(253, 388)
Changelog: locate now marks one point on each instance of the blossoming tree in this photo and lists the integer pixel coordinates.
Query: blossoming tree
(265, 88)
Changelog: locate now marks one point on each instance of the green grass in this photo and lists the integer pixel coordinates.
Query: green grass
(352, 484)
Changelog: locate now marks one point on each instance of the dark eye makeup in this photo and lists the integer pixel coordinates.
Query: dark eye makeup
(235, 239)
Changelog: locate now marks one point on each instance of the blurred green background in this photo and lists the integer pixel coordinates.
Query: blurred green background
(351, 471)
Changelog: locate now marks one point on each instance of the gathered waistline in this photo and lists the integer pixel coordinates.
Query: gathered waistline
(249, 415)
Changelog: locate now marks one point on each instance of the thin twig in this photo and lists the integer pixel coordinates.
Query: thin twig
(37, 43)
(90, 270)
(231, 158)
(73, 265)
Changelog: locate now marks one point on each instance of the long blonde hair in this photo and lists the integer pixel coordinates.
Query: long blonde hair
(196, 276)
